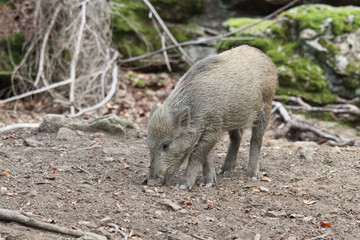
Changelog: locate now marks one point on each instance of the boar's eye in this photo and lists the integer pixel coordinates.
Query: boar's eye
(165, 145)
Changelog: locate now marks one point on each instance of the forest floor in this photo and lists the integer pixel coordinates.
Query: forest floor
(306, 190)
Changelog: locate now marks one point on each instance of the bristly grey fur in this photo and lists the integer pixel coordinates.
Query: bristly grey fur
(227, 92)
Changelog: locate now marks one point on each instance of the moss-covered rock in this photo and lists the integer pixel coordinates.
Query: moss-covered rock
(315, 48)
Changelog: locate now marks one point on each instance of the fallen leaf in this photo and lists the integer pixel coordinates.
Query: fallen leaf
(95, 143)
(4, 173)
(125, 165)
(53, 170)
(265, 179)
(325, 224)
(308, 201)
(186, 203)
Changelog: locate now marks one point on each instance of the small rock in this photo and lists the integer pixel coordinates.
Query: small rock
(306, 153)
(292, 238)
(183, 211)
(66, 134)
(257, 236)
(264, 189)
(150, 192)
(106, 220)
(274, 214)
(91, 224)
(170, 205)
(32, 143)
(336, 149)
(112, 151)
(306, 219)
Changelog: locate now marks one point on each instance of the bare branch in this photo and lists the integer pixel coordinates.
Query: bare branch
(106, 99)
(43, 47)
(166, 30)
(75, 57)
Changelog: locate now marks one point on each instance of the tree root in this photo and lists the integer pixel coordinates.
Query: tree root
(291, 123)
(16, 216)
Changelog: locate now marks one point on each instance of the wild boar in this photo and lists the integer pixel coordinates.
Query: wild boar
(228, 92)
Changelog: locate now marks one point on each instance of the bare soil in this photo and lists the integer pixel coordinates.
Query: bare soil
(306, 190)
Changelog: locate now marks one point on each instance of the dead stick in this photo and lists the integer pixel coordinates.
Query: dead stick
(16, 216)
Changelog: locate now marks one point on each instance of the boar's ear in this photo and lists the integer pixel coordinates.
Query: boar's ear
(154, 107)
(181, 117)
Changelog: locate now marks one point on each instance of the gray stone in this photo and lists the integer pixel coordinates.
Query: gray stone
(32, 143)
(170, 205)
(66, 134)
(111, 124)
(274, 214)
(106, 220)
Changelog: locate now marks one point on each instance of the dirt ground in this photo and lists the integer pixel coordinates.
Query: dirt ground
(306, 191)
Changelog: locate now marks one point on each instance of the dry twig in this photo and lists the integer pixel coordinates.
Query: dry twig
(16, 216)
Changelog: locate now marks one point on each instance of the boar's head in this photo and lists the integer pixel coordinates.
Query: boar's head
(170, 140)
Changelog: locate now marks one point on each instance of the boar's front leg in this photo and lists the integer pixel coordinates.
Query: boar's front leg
(256, 141)
(231, 156)
(198, 159)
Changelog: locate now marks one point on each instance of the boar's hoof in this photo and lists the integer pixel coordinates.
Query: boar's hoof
(253, 176)
(183, 186)
(207, 185)
(222, 172)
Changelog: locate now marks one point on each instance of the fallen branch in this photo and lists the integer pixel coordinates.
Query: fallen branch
(16, 216)
(291, 123)
(19, 125)
(209, 39)
(337, 109)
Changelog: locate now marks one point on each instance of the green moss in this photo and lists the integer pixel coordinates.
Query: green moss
(313, 16)
(139, 83)
(237, 23)
(353, 70)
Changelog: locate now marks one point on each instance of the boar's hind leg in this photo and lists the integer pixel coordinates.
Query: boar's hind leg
(199, 159)
(231, 156)
(256, 141)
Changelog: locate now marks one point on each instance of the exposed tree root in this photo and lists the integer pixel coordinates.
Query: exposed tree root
(16, 216)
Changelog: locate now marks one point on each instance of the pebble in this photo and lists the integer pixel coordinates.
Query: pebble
(170, 205)
(106, 220)
(274, 214)
(32, 143)
(263, 189)
(66, 134)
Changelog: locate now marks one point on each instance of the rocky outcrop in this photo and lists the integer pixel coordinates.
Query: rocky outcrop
(315, 47)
